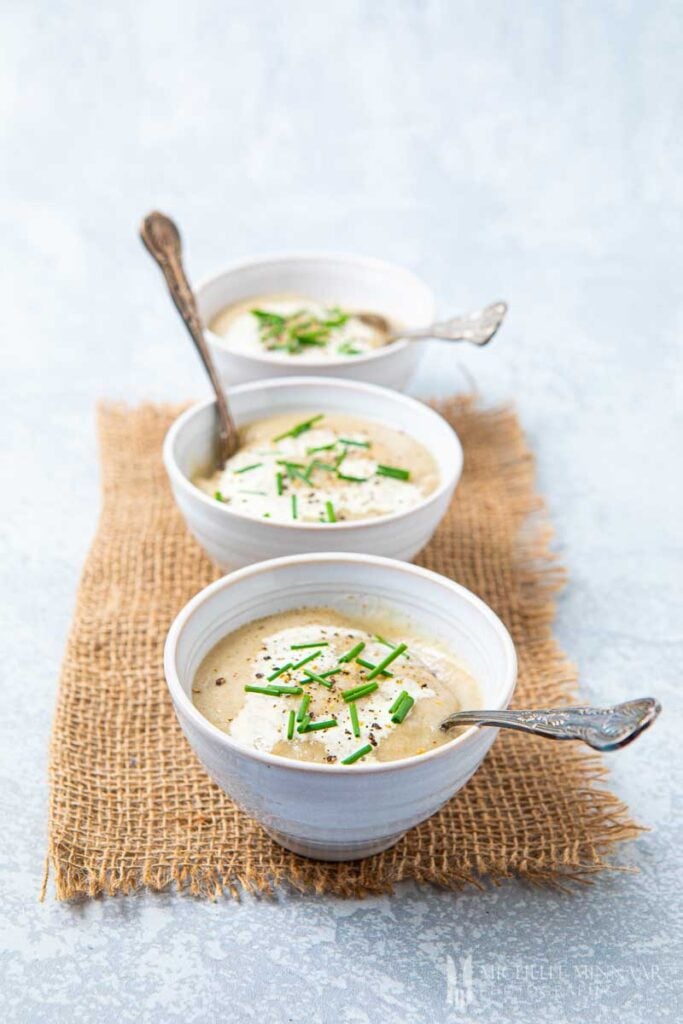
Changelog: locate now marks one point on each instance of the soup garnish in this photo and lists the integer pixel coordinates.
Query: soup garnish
(317, 685)
(325, 468)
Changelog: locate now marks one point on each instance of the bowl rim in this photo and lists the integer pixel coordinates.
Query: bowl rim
(179, 479)
(182, 701)
(323, 256)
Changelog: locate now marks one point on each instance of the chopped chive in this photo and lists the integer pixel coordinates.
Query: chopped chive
(359, 691)
(283, 691)
(393, 471)
(272, 691)
(302, 647)
(336, 317)
(395, 653)
(304, 724)
(279, 671)
(353, 479)
(310, 339)
(295, 514)
(321, 448)
(330, 672)
(317, 679)
(329, 723)
(316, 464)
(340, 458)
(218, 496)
(368, 664)
(381, 640)
(295, 470)
(331, 515)
(348, 349)
(271, 319)
(291, 720)
(303, 707)
(353, 653)
(353, 711)
(305, 661)
(245, 469)
(279, 482)
(394, 706)
(357, 754)
(357, 444)
(300, 428)
(403, 709)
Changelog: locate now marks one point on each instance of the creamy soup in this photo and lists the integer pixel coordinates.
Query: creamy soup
(315, 685)
(323, 468)
(292, 325)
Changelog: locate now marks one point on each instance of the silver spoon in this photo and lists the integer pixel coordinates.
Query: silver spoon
(601, 728)
(162, 240)
(478, 327)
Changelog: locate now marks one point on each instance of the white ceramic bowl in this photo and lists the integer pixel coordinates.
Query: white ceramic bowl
(232, 539)
(337, 812)
(356, 282)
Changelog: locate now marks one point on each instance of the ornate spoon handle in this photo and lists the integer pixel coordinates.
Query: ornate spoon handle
(477, 328)
(601, 728)
(162, 240)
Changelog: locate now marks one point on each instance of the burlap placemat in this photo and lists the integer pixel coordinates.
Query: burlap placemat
(130, 806)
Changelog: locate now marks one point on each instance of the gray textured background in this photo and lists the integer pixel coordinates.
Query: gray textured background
(531, 151)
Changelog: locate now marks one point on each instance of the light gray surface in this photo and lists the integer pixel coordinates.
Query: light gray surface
(531, 152)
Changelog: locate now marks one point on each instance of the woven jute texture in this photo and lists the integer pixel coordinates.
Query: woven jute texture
(131, 807)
